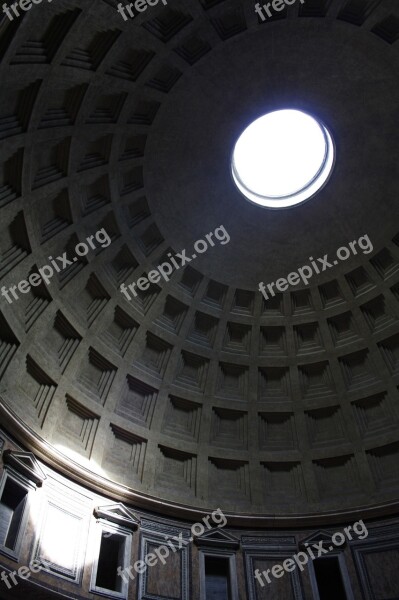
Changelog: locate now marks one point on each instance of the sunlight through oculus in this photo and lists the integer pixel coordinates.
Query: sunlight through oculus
(282, 159)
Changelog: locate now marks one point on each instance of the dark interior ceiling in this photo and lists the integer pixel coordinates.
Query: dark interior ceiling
(197, 392)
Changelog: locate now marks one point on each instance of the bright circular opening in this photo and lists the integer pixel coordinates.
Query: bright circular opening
(283, 158)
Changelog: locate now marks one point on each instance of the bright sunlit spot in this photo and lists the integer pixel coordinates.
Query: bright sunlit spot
(61, 530)
(80, 460)
(282, 159)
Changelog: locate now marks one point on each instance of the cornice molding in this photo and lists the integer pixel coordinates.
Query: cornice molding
(26, 464)
(217, 539)
(118, 514)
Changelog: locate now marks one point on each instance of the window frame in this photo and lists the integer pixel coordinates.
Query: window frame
(20, 480)
(114, 529)
(344, 574)
(230, 556)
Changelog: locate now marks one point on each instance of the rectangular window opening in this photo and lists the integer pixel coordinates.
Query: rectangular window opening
(329, 579)
(217, 578)
(12, 505)
(112, 551)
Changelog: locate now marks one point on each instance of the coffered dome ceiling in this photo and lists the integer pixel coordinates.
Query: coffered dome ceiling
(197, 392)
